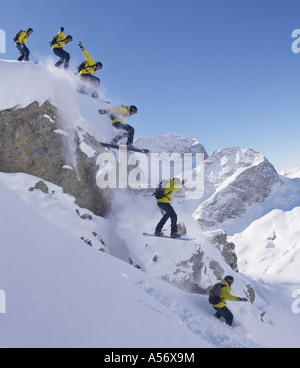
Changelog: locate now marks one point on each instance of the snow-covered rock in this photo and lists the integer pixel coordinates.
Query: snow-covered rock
(32, 144)
(235, 180)
(42, 132)
(291, 173)
(171, 143)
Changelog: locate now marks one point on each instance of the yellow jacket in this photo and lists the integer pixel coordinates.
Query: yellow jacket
(23, 37)
(61, 41)
(119, 114)
(170, 188)
(89, 65)
(225, 295)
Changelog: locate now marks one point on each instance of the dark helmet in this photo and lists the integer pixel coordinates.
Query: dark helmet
(99, 65)
(229, 279)
(133, 109)
(69, 37)
(29, 30)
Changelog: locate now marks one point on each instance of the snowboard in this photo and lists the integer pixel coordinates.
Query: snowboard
(94, 98)
(167, 237)
(116, 146)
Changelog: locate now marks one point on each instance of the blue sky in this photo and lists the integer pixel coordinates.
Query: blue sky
(221, 71)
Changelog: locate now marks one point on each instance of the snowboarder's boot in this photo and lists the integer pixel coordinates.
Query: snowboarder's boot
(175, 235)
(95, 94)
(115, 141)
(159, 234)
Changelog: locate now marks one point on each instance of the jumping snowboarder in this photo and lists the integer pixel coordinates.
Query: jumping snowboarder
(164, 194)
(118, 116)
(20, 41)
(58, 44)
(219, 295)
(86, 70)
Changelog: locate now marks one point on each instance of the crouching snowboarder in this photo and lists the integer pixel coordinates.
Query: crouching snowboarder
(164, 194)
(86, 70)
(218, 297)
(118, 116)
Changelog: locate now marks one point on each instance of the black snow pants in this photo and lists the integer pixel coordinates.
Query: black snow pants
(24, 51)
(64, 57)
(225, 313)
(169, 213)
(128, 131)
(93, 81)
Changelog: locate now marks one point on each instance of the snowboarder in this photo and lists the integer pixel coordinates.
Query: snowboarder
(118, 116)
(58, 44)
(218, 297)
(164, 194)
(20, 41)
(86, 71)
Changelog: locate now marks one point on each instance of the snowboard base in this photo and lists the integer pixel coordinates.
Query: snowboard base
(167, 237)
(116, 146)
(94, 98)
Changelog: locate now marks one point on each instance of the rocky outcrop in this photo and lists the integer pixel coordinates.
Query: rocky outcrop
(228, 250)
(186, 271)
(32, 141)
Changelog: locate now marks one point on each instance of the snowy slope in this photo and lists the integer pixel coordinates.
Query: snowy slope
(284, 196)
(271, 245)
(62, 293)
(291, 173)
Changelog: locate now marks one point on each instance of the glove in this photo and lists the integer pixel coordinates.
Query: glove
(242, 299)
(62, 29)
(81, 45)
(102, 112)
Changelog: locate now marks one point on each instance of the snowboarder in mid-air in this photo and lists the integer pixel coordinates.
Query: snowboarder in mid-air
(20, 41)
(86, 70)
(219, 295)
(164, 194)
(58, 44)
(118, 116)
